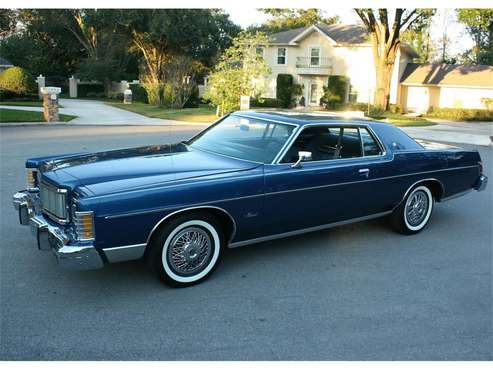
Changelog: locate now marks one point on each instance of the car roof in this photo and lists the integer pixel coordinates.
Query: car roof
(303, 118)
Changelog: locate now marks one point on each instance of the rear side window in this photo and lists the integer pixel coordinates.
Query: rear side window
(370, 146)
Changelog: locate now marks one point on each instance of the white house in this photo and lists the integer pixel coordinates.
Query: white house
(311, 54)
(425, 86)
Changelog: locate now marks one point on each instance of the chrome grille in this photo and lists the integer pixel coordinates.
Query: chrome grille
(54, 201)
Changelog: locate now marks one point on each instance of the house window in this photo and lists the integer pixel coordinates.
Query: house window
(281, 55)
(315, 56)
(353, 94)
(260, 51)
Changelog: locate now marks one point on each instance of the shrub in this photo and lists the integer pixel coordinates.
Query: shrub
(284, 90)
(115, 95)
(461, 114)
(168, 96)
(335, 92)
(488, 103)
(17, 81)
(139, 94)
(265, 103)
(89, 90)
(194, 100)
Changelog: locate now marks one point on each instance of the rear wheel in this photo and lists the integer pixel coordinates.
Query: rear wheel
(187, 249)
(414, 212)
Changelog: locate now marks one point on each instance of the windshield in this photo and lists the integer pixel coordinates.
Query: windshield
(244, 138)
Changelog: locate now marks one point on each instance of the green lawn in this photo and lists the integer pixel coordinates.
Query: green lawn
(13, 115)
(23, 103)
(204, 113)
(397, 119)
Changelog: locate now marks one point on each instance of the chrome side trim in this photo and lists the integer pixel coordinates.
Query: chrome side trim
(457, 195)
(307, 230)
(125, 253)
(207, 204)
(190, 209)
(416, 183)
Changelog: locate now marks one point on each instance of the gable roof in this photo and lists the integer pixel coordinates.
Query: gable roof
(5, 63)
(448, 74)
(340, 33)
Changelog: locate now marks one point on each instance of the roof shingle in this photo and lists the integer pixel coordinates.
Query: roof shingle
(448, 74)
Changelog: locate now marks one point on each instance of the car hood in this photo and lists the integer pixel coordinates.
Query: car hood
(119, 170)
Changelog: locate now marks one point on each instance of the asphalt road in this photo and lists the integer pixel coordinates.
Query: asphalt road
(358, 292)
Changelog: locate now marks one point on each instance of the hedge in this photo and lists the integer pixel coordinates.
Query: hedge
(17, 81)
(335, 92)
(265, 103)
(461, 114)
(284, 85)
(95, 90)
(139, 94)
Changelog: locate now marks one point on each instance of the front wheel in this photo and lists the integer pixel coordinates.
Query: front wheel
(414, 212)
(187, 249)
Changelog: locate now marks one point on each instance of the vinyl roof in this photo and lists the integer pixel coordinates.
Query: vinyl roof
(299, 118)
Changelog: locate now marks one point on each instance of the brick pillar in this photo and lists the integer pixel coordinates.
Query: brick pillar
(50, 103)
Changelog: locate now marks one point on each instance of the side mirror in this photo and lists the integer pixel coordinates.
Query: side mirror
(302, 156)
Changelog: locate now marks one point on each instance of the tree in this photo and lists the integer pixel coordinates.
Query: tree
(384, 36)
(479, 25)
(418, 37)
(180, 74)
(160, 34)
(8, 21)
(240, 71)
(286, 19)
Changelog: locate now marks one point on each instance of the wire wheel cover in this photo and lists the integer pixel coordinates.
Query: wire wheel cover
(190, 251)
(417, 207)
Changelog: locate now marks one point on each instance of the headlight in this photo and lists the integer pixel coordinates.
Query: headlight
(84, 225)
(32, 181)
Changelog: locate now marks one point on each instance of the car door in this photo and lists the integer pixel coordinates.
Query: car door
(336, 185)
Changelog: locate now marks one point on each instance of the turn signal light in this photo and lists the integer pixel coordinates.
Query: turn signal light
(84, 225)
(31, 178)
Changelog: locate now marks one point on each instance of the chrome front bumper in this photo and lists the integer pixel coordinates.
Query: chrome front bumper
(481, 183)
(71, 255)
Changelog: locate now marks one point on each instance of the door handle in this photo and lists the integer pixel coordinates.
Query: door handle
(364, 171)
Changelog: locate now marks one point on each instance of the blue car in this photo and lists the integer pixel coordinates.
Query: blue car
(248, 178)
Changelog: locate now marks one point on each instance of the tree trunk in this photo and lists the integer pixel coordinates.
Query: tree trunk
(384, 65)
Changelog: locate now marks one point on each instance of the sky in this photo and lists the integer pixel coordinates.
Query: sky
(444, 19)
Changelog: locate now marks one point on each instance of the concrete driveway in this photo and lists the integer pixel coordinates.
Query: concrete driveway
(357, 292)
(93, 112)
(475, 133)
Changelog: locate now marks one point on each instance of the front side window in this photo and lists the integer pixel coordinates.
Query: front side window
(332, 142)
(244, 138)
(281, 55)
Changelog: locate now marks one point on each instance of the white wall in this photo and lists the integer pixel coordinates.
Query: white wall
(461, 97)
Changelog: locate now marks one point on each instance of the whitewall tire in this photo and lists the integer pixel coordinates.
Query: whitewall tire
(187, 249)
(414, 212)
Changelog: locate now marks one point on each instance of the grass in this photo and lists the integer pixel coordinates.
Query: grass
(13, 115)
(204, 113)
(400, 120)
(23, 103)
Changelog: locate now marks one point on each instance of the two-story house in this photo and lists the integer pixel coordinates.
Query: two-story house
(311, 54)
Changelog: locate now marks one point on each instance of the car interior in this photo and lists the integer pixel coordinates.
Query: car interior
(326, 143)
